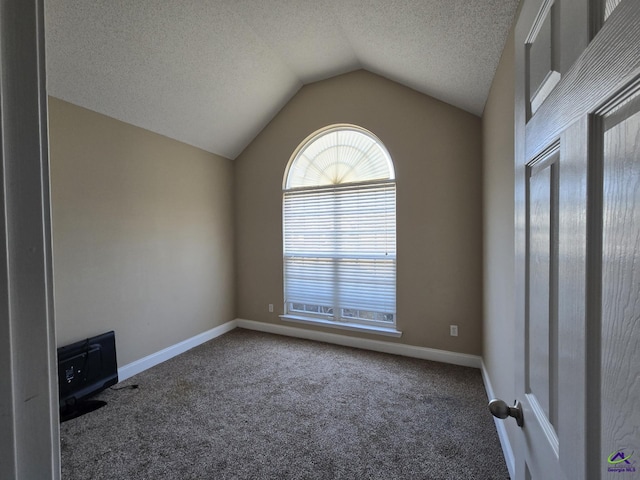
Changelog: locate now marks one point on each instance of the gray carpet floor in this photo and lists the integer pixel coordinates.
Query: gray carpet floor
(250, 405)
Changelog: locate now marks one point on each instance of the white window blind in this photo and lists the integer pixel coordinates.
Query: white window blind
(340, 251)
(340, 156)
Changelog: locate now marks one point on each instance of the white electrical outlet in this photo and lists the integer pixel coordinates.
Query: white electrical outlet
(453, 330)
(271, 307)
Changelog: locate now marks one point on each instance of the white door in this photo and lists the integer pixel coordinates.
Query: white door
(578, 239)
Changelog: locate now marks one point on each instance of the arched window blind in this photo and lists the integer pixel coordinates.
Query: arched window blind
(339, 217)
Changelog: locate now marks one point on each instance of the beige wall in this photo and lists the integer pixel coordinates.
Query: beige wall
(436, 149)
(142, 234)
(499, 293)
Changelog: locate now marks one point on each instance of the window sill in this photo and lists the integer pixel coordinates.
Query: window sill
(354, 327)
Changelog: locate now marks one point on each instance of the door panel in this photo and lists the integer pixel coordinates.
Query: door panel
(543, 56)
(541, 353)
(541, 364)
(620, 335)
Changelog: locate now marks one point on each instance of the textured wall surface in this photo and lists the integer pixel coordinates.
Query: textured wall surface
(499, 295)
(436, 149)
(142, 234)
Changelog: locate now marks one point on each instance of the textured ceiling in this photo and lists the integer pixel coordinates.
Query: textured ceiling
(212, 73)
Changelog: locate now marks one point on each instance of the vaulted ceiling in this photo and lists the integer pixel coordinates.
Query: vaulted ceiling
(213, 73)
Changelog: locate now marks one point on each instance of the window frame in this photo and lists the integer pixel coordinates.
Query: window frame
(337, 316)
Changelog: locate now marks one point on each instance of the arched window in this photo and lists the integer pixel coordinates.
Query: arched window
(339, 216)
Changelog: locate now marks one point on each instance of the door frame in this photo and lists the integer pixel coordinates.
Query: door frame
(30, 443)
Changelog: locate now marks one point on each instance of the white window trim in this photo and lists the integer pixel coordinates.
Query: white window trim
(354, 327)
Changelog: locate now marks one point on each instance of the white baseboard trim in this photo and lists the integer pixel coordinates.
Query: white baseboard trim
(509, 458)
(424, 353)
(154, 359)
